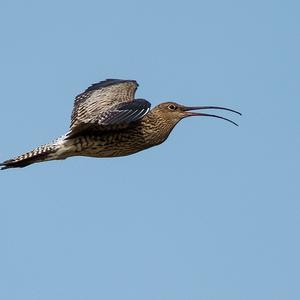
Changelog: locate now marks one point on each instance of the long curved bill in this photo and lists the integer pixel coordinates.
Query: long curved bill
(188, 109)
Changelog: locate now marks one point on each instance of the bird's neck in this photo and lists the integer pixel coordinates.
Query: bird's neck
(156, 128)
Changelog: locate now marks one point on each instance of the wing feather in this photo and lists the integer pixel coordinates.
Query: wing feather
(126, 113)
(105, 104)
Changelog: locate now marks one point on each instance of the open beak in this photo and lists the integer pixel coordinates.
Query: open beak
(188, 113)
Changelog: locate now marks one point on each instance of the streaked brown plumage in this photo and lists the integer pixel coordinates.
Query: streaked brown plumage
(108, 122)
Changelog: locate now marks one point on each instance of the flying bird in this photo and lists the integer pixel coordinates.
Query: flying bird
(107, 121)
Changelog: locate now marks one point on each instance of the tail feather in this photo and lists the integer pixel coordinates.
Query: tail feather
(39, 154)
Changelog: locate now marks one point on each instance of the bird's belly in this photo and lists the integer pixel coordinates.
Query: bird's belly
(108, 152)
(109, 146)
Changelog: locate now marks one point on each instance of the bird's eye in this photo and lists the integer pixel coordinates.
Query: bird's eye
(172, 107)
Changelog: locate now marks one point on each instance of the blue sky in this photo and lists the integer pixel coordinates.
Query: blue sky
(213, 213)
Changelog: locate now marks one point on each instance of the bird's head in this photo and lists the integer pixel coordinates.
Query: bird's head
(175, 112)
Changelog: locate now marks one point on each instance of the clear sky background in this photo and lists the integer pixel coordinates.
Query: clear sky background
(213, 213)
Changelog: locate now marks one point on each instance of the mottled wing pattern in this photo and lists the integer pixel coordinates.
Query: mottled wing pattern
(101, 97)
(106, 105)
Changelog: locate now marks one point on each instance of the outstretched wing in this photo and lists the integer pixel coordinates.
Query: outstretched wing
(106, 105)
